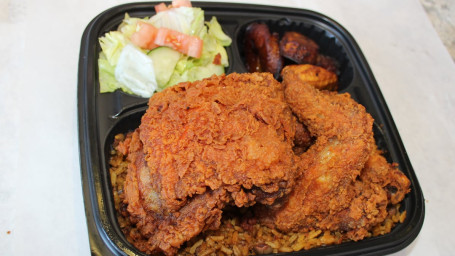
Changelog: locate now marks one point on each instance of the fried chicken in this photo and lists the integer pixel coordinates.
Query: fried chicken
(346, 185)
(379, 185)
(344, 140)
(164, 232)
(201, 146)
(305, 158)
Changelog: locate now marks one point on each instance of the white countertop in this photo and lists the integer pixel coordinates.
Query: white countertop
(41, 202)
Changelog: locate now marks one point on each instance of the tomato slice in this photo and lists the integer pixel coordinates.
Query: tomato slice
(150, 37)
(194, 48)
(145, 36)
(189, 45)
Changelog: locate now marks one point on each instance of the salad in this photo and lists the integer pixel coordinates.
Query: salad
(145, 55)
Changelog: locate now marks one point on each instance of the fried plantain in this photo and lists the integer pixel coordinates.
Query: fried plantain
(263, 45)
(299, 48)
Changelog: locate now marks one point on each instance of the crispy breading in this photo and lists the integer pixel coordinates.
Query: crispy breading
(157, 232)
(232, 131)
(346, 184)
(344, 140)
(305, 158)
(223, 140)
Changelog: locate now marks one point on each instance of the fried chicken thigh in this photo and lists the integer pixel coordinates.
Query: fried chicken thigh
(203, 145)
(232, 131)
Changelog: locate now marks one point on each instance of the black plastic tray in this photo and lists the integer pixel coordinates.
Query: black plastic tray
(101, 116)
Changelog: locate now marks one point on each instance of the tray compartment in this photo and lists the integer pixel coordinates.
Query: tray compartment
(329, 44)
(102, 116)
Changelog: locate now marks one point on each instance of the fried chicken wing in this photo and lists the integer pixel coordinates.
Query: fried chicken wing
(346, 184)
(377, 187)
(387, 175)
(344, 140)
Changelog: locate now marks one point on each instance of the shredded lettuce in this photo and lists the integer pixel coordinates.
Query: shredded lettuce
(106, 75)
(195, 73)
(191, 69)
(197, 26)
(129, 25)
(112, 45)
(184, 68)
(217, 32)
(135, 70)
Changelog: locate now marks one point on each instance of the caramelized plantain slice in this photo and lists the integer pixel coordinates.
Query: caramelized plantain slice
(299, 48)
(265, 45)
(318, 77)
